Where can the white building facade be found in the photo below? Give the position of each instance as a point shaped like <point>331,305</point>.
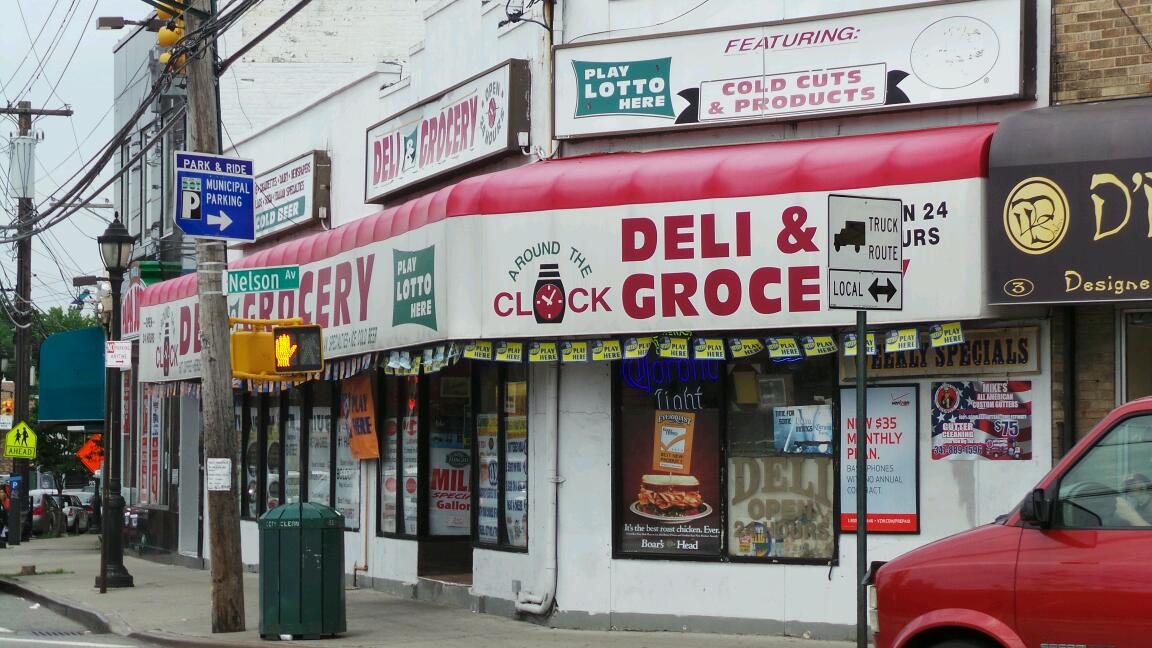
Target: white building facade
<point>573,275</point>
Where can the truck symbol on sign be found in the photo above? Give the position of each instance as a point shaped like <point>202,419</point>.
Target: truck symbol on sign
<point>853,234</point>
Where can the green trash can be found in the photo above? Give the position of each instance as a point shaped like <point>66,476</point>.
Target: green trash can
<point>302,571</point>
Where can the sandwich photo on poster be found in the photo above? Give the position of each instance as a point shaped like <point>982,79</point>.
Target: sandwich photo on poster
<point>670,469</point>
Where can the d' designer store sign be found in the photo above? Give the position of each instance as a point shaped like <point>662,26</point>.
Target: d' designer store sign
<point>469,122</point>
<point>902,58</point>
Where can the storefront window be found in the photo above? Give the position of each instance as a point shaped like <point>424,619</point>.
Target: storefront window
<point>488,454</point>
<point>320,444</point>
<point>251,457</point>
<point>1137,350</point>
<point>347,470</point>
<point>273,472</point>
<point>389,455</point>
<point>295,398</point>
<point>516,455</point>
<point>765,428</point>
<point>410,452</point>
<point>669,449</point>
<point>450,451</point>
<point>781,434</point>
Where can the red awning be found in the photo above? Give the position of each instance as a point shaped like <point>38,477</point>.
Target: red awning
<point>604,180</point>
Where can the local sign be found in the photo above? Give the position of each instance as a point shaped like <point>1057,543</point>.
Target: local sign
<point>899,58</point>
<point>20,442</point>
<point>293,194</point>
<point>474,120</point>
<point>214,197</point>
<point>865,253</point>
<point>250,280</point>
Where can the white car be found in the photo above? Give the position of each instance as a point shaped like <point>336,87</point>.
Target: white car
<point>78,520</point>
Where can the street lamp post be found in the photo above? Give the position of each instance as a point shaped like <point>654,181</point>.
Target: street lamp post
<point>115,250</point>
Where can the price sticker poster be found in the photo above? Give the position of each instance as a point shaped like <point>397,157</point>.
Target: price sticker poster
<point>988,419</point>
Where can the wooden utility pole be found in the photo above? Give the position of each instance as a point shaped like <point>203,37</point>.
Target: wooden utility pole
<point>218,433</point>
<point>23,304</point>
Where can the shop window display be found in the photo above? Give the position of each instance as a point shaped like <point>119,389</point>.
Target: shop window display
<point>764,429</point>
<point>320,444</point>
<point>292,449</point>
<point>347,472</point>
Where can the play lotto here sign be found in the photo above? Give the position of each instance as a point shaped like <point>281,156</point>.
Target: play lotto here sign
<point>20,442</point>
<point>268,279</point>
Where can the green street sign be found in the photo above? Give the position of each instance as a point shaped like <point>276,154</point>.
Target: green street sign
<point>272,278</point>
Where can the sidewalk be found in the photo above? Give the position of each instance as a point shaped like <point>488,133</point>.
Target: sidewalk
<point>171,606</point>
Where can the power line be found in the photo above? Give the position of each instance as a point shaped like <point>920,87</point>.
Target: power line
<point>48,19</point>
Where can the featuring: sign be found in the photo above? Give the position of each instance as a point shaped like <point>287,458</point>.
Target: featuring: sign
<point>865,253</point>
<point>214,197</point>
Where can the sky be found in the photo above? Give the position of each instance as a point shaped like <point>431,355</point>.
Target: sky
<point>82,81</point>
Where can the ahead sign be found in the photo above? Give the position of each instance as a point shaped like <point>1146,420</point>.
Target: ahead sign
<point>865,253</point>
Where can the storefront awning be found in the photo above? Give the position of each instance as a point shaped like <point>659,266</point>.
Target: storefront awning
<point>1067,188</point>
<point>461,262</point>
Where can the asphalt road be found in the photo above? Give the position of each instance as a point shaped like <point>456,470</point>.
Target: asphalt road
<point>24,624</point>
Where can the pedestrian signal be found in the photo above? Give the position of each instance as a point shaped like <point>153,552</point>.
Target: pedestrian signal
<point>7,407</point>
<point>297,349</point>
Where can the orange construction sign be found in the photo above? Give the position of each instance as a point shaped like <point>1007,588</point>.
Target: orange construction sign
<point>91,454</point>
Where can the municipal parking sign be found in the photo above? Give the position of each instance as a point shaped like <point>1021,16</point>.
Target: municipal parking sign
<point>214,197</point>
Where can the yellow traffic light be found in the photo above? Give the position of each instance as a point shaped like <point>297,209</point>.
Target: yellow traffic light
<point>7,407</point>
<point>252,353</point>
<point>298,349</point>
<point>170,34</point>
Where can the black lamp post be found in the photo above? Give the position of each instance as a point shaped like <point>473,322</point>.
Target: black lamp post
<point>115,250</point>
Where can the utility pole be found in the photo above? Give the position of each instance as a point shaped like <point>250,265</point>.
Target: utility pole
<point>23,301</point>
<point>219,434</point>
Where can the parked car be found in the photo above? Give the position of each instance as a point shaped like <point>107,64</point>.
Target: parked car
<point>47,516</point>
<point>77,517</point>
<point>1069,566</point>
<point>87,500</point>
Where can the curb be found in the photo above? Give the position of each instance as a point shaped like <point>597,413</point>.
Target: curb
<point>100,624</point>
<point>90,619</point>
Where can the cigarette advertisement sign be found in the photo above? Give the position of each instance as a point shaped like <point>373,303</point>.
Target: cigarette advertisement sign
<point>469,122</point>
<point>902,58</point>
<point>292,194</point>
<point>893,469</point>
<point>986,419</point>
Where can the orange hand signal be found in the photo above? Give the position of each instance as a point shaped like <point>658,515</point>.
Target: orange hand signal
<point>285,349</point>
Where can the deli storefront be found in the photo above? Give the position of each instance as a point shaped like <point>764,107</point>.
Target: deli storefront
<point>592,379</point>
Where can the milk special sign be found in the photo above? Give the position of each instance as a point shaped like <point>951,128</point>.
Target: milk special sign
<point>471,121</point>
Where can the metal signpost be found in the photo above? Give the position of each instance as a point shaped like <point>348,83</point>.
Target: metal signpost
<point>214,197</point>
<point>865,263</point>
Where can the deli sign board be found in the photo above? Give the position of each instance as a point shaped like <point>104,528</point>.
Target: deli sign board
<point>953,53</point>
<point>469,122</point>
<point>293,194</point>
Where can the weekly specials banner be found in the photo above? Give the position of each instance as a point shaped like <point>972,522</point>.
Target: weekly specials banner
<point>901,58</point>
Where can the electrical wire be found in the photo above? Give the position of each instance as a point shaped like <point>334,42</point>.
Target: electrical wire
<point>662,22</point>
<point>48,19</point>
<point>69,14</point>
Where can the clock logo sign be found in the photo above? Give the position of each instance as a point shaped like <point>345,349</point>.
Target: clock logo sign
<point>548,298</point>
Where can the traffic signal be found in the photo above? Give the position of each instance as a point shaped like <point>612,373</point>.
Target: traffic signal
<point>297,349</point>
<point>7,407</point>
<point>169,35</point>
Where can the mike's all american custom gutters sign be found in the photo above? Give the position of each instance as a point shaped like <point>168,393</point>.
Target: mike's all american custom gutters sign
<point>898,58</point>
<point>721,238</point>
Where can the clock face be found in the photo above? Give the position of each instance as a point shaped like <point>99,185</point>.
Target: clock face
<point>549,302</point>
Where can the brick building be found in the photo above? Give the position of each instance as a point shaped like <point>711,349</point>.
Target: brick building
<point>1101,78</point>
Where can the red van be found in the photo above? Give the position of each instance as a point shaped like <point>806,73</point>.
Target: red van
<point>1069,567</point>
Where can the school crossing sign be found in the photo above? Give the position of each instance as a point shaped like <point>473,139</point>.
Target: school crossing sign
<point>214,197</point>
<point>20,442</point>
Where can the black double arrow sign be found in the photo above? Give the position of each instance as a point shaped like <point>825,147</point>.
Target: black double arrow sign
<point>876,290</point>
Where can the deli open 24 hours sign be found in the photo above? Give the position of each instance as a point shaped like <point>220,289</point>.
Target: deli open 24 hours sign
<point>471,121</point>
<point>958,52</point>
<point>893,459</point>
